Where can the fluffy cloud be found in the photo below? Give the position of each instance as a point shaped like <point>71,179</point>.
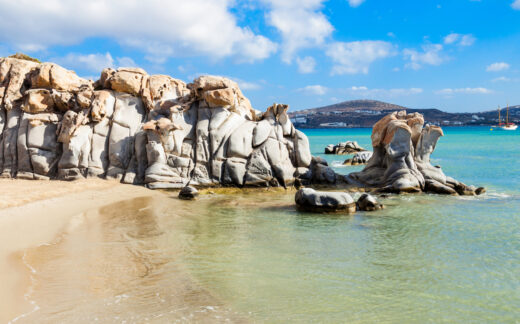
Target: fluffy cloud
<point>462,40</point>
<point>449,91</point>
<point>355,3</point>
<point>314,90</point>
<point>430,55</point>
<point>383,93</point>
<point>300,24</point>
<point>306,64</point>
<point>160,29</point>
<point>516,5</point>
<point>93,62</point>
<point>498,66</point>
<point>356,57</point>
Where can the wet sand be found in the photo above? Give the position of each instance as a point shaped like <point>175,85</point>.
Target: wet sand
<point>96,251</point>
<point>33,213</point>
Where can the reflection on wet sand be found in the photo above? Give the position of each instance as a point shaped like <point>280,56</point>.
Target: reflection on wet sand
<point>117,264</point>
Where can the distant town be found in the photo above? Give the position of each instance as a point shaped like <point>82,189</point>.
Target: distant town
<point>365,113</point>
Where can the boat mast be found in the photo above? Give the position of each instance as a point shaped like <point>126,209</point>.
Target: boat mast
<point>499,121</point>
<point>507,114</point>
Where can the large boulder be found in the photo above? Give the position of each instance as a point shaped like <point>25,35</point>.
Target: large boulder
<point>323,201</point>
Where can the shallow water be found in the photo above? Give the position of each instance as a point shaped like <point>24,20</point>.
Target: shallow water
<point>252,257</point>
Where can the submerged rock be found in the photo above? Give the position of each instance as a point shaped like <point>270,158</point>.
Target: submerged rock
<point>188,193</point>
<point>368,203</point>
<point>347,147</point>
<point>359,158</point>
<point>323,201</point>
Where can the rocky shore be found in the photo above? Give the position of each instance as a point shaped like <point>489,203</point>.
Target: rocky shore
<point>160,132</point>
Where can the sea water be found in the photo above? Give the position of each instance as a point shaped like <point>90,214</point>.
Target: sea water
<point>251,257</point>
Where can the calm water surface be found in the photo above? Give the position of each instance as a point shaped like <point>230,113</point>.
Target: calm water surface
<point>252,257</point>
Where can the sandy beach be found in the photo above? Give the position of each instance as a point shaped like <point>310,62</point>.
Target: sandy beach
<point>33,213</point>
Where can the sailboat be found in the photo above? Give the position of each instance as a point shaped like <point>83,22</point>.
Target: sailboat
<point>507,125</point>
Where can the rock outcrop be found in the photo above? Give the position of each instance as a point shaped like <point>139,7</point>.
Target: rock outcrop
<point>359,158</point>
<point>151,130</point>
<point>158,131</point>
<point>347,147</point>
<point>401,159</point>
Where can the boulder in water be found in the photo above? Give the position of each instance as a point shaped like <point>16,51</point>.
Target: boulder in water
<point>188,193</point>
<point>324,201</point>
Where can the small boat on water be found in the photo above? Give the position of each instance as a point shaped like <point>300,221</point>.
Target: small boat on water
<point>507,125</point>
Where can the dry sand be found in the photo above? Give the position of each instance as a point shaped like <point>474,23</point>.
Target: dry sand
<point>33,213</point>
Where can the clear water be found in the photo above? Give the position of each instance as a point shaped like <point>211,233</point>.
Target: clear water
<point>254,258</point>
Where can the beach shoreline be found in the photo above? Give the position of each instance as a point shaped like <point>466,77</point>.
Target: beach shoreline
<point>33,213</point>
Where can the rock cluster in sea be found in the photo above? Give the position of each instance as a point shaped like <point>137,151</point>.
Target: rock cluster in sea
<point>359,158</point>
<point>142,129</point>
<point>347,147</point>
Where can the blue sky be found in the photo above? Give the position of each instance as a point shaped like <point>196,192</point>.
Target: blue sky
<point>456,55</point>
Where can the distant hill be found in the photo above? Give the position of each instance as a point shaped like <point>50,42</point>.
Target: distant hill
<point>364,113</point>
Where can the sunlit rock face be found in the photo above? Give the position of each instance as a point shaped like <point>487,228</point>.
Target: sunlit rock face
<point>401,158</point>
<point>142,129</point>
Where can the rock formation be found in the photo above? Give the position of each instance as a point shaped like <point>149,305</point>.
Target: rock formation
<point>142,129</point>
<point>324,201</point>
<point>401,158</point>
<point>359,158</point>
<point>347,147</point>
<point>158,131</point>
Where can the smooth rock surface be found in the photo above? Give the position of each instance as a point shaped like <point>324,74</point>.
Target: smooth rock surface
<point>323,201</point>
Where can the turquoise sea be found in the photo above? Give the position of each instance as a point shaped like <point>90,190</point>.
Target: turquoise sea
<point>424,258</point>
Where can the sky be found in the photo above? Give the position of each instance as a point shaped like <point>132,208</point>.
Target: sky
<point>454,55</point>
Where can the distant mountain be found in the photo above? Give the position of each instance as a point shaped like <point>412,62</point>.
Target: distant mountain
<point>364,113</point>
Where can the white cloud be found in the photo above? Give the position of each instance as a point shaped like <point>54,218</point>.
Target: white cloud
<point>314,90</point>
<point>430,55</point>
<point>356,57</point>
<point>497,67</point>
<point>467,40</point>
<point>300,24</point>
<point>355,3</point>
<point>93,62</point>
<point>516,5</point>
<point>449,91</point>
<point>306,64</point>
<point>247,85</point>
<point>383,93</point>
<point>160,29</point>
<point>462,40</point>
<point>505,79</point>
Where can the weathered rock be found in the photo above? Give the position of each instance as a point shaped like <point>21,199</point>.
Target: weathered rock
<point>368,202</point>
<point>323,201</point>
<point>158,131</point>
<point>359,158</point>
<point>128,80</point>
<point>401,158</point>
<point>347,147</point>
<point>188,193</point>
<point>38,101</point>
